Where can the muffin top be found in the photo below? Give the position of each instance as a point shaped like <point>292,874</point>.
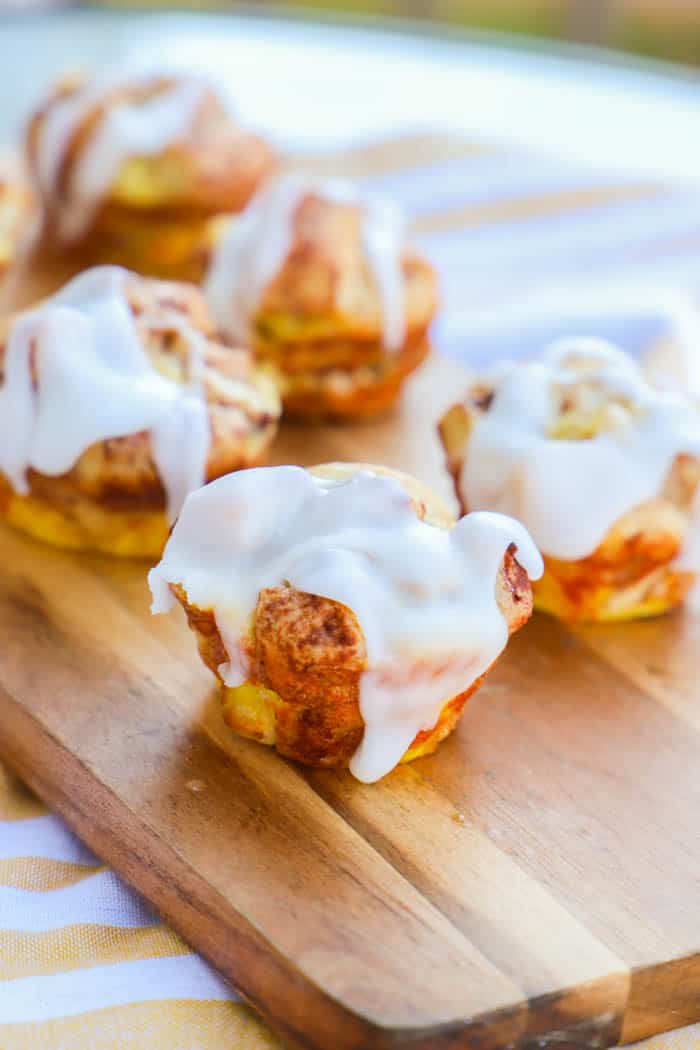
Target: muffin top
<point>571,442</point>
<point>311,258</point>
<point>162,144</point>
<point>424,593</point>
<point>117,385</point>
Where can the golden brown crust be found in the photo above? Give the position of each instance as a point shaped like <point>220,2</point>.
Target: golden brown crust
<point>631,574</point>
<point>161,214</point>
<point>155,246</point>
<point>326,273</point>
<point>307,654</point>
<point>310,652</point>
<point>69,520</point>
<point>217,169</point>
<point>353,392</point>
<point>16,212</point>
<point>119,474</point>
<point>320,322</point>
<point>514,592</point>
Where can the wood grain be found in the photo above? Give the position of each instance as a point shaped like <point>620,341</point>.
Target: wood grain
<point>535,883</point>
<point>517,884</point>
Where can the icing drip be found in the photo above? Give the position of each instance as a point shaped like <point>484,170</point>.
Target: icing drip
<point>94,381</point>
<point>123,130</point>
<point>570,492</point>
<point>258,242</point>
<point>424,596</point>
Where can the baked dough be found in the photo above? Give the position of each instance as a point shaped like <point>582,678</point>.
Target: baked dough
<point>307,654</point>
<point>636,568</point>
<point>133,169</point>
<point>320,319</point>
<point>113,498</point>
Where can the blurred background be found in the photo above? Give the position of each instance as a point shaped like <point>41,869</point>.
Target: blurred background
<point>662,29</point>
<point>556,140</point>
<point>668,29</point>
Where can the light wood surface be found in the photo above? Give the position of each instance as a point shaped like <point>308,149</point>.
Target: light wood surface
<point>535,883</point>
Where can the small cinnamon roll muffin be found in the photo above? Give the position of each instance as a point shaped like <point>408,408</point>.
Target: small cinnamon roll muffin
<point>133,168</point>
<point>320,283</point>
<point>345,614</point>
<point>16,212</point>
<point>115,402</point>
<point>602,469</point>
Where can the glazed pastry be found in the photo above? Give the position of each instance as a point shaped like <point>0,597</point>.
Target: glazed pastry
<point>321,285</point>
<point>600,467</point>
<point>133,167</point>
<point>16,209</point>
<point>115,402</point>
<point>346,615</point>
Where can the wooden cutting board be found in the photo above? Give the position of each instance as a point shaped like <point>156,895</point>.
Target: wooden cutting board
<point>536,883</point>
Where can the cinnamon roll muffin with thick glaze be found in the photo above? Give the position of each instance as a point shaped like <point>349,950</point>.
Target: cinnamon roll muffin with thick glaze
<point>602,469</point>
<point>321,284</point>
<point>346,615</point>
<point>135,167</point>
<point>116,401</point>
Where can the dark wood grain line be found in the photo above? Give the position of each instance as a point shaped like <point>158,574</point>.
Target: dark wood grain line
<point>568,975</point>
<point>589,782</point>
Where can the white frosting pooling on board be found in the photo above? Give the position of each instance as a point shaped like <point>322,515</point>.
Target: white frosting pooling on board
<point>424,596</point>
<point>123,130</point>
<point>257,243</point>
<point>94,381</point>
<point>569,493</point>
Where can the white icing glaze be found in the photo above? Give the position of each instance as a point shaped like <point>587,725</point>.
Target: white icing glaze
<point>257,243</point>
<point>568,493</point>
<point>124,130</point>
<point>424,596</point>
<point>94,381</point>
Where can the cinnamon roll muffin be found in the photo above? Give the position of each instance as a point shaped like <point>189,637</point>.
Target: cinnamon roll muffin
<point>601,468</point>
<point>321,284</point>
<point>116,400</point>
<point>133,168</point>
<point>345,614</point>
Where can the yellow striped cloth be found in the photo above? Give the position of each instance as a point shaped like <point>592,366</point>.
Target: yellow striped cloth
<point>55,966</point>
<point>121,1022</point>
<point>84,963</point>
